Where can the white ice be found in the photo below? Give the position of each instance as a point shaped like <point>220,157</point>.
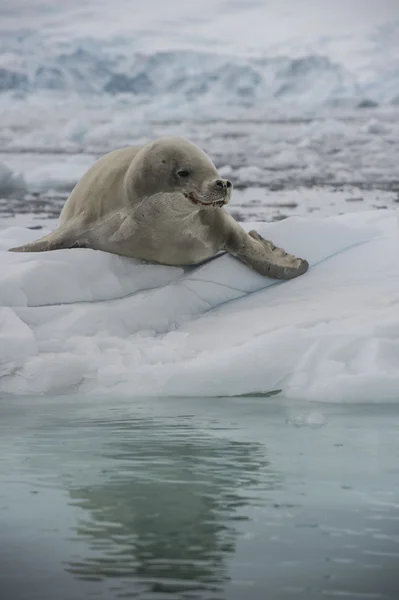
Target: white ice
<point>74,76</point>
<point>93,322</point>
<point>10,182</point>
<point>355,149</point>
<point>271,90</point>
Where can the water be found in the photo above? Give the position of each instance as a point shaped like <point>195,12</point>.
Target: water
<point>215,498</point>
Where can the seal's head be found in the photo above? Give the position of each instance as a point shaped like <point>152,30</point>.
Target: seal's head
<point>173,164</point>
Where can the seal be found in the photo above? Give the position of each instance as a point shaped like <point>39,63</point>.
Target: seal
<point>162,202</point>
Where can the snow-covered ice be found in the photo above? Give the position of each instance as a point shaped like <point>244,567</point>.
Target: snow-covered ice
<point>279,92</point>
<point>284,96</point>
<point>98,76</point>
<point>254,51</point>
<point>356,148</point>
<point>11,183</point>
<point>90,321</point>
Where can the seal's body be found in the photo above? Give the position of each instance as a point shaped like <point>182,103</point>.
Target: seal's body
<point>162,202</point>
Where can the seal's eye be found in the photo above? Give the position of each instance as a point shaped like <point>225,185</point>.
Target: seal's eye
<point>183,173</point>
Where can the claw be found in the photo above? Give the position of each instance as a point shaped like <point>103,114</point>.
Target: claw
<point>258,237</point>
<point>279,263</point>
<point>288,272</point>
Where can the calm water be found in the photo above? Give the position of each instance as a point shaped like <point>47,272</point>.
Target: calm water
<point>203,498</point>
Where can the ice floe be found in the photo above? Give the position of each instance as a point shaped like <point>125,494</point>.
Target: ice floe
<point>90,321</point>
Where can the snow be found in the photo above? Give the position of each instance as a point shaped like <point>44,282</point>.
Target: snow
<point>285,97</point>
<point>10,183</point>
<point>58,173</point>
<point>355,148</point>
<point>73,75</point>
<point>80,320</point>
<point>271,90</point>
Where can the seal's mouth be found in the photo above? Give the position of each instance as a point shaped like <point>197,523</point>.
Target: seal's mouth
<point>195,200</point>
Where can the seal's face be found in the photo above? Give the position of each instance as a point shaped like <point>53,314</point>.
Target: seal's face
<point>177,165</point>
<point>212,194</point>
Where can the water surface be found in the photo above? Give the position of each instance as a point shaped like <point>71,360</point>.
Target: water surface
<point>211,498</point>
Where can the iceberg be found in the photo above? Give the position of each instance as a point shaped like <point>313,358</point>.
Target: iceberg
<point>11,183</point>
<point>88,321</point>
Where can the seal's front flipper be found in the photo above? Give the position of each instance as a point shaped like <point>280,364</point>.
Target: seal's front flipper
<point>278,263</point>
<point>261,255</point>
<point>57,240</point>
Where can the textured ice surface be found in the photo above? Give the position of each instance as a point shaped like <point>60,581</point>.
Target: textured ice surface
<point>74,76</point>
<point>278,93</point>
<point>354,148</point>
<point>11,183</point>
<point>90,321</point>
<point>247,51</point>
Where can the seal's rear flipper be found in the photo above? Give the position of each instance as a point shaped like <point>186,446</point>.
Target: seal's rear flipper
<point>57,240</point>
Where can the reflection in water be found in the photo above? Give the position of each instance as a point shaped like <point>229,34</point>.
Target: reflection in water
<point>164,508</point>
<point>123,500</point>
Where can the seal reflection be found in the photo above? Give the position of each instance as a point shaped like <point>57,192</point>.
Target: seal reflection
<point>163,517</point>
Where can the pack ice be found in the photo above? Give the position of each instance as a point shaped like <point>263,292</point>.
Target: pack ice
<point>87,321</point>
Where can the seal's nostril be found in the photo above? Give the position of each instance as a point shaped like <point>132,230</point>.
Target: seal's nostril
<point>220,183</point>
<point>228,183</point>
